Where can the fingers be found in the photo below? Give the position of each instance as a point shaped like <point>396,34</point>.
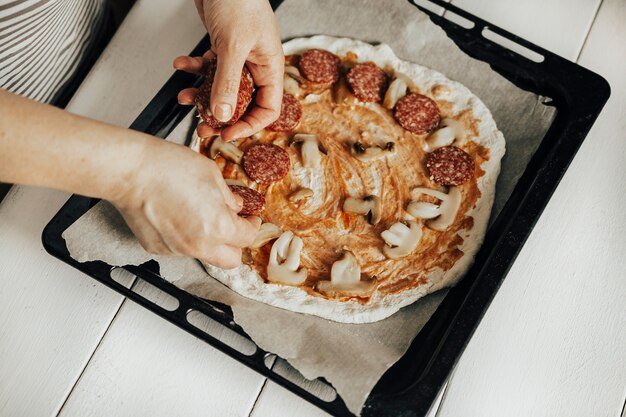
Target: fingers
<point>194,64</point>
<point>147,235</point>
<point>225,257</point>
<point>252,122</point>
<point>266,109</point>
<point>205,131</point>
<point>233,201</point>
<point>187,96</point>
<point>226,82</point>
<point>244,230</point>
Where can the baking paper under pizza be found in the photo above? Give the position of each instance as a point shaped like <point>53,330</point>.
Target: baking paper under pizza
<point>375,184</point>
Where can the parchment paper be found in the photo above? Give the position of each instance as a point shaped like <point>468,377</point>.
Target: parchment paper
<point>351,357</point>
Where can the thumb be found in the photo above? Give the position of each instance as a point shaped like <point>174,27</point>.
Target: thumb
<point>225,88</point>
<point>232,200</point>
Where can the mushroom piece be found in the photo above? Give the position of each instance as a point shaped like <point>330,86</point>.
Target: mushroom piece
<point>292,80</point>
<point>401,239</point>
<point>423,210</point>
<point>294,73</point>
<point>342,93</point>
<point>291,86</point>
<point>311,149</point>
<point>447,209</point>
<point>284,261</point>
<point>301,194</point>
<point>266,233</point>
<point>368,206</point>
<point>230,181</point>
<point>345,279</point>
<point>365,154</point>
<point>195,140</point>
<point>227,149</point>
<point>449,131</point>
<point>395,91</point>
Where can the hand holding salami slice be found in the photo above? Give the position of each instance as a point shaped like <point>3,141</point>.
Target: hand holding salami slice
<point>256,48</point>
<point>203,97</point>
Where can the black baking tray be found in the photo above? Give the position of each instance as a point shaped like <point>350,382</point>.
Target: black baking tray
<point>409,387</point>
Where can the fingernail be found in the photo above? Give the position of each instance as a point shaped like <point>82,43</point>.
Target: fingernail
<point>223,112</point>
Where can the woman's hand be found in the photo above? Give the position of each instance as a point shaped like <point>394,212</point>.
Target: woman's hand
<point>174,200</point>
<point>243,32</point>
<point>178,204</point>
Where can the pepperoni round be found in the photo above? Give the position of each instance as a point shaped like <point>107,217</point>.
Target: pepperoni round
<point>266,163</point>
<point>253,201</point>
<point>203,98</point>
<point>417,113</point>
<point>450,165</point>
<point>319,66</point>
<point>368,82</point>
<point>290,114</point>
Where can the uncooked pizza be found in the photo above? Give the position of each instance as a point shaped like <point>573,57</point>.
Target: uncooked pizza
<point>375,184</point>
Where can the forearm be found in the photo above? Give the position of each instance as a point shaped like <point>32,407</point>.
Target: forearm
<point>44,146</point>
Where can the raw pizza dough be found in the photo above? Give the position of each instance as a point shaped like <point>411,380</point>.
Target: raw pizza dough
<point>247,282</point>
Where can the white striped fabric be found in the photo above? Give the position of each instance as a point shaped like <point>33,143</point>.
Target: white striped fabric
<point>42,43</point>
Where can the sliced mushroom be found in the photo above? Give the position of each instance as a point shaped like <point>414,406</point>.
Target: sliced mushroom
<point>301,194</point>
<point>423,210</point>
<point>311,149</point>
<point>449,132</point>
<point>284,261</point>
<point>292,80</point>
<point>365,154</point>
<point>342,93</point>
<point>395,91</point>
<point>447,209</point>
<point>294,73</point>
<point>291,86</point>
<point>401,239</point>
<point>368,206</point>
<point>227,149</point>
<point>195,141</point>
<point>345,279</point>
<point>230,181</point>
<point>266,233</point>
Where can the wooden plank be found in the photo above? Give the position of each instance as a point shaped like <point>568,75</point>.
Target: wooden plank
<point>51,316</point>
<point>559,26</point>
<point>553,341</point>
<point>146,366</point>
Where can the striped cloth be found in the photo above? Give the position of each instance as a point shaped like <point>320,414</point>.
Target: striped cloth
<point>43,42</point>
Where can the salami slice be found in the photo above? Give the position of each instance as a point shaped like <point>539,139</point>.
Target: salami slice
<point>290,114</point>
<point>417,113</point>
<point>368,82</point>
<point>253,201</point>
<point>203,98</point>
<point>450,165</point>
<point>319,66</point>
<point>266,163</point>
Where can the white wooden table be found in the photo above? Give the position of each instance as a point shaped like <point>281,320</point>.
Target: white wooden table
<point>553,342</point>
